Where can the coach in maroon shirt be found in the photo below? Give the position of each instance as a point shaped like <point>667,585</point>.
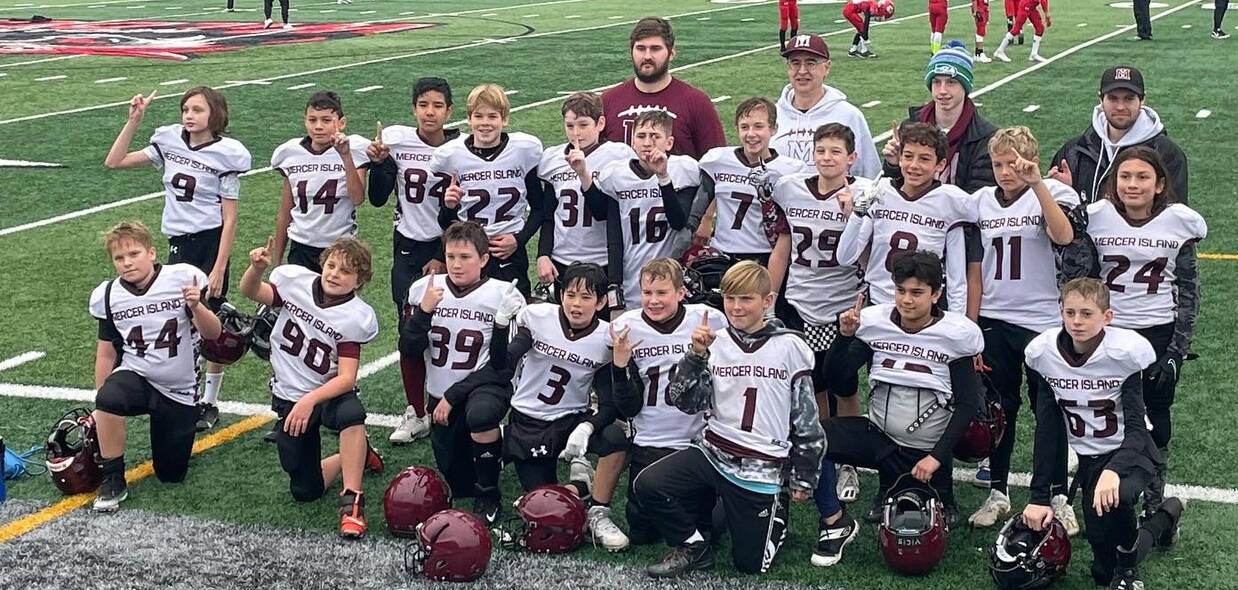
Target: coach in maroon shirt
<point>697,127</point>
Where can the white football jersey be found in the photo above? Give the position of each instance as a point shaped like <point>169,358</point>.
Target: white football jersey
<point>160,341</point>
<point>578,236</point>
<point>646,231</point>
<point>751,413</point>
<point>322,209</point>
<point>1137,261</point>
<point>737,210</point>
<point>899,224</point>
<point>419,192</point>
<point>494,190</point>
<point>917,359</point>
<point>460,330</point>
<point>555,376</point>
<point>1019,269</point>
<point>818,285</point>
<point>660,424</point>
<point>195,178</point>
<point>311,335</point>
<point>1090,394</point>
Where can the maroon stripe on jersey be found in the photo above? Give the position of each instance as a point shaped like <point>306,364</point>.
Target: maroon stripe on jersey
<point>917,367</point>
<point>888,363</point>
<point>276,300</point>
<point>350,350</point>
<point>797,375</point>
<point>736,449</point>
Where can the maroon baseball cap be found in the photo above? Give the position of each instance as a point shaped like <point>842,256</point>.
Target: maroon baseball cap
<point>808,43</point>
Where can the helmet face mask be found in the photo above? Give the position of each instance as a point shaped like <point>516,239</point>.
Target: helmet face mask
<point>1024,559</point>
<point>545,292</point>
<point>703,270</point>
<point>72,451</point>
<point>912,533</point>
<point>260,334</point>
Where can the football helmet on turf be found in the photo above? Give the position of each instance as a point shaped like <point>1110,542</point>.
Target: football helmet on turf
<point>412,497</point>
<point>548,519</point>
<point>984,432</point>
<point>260,335</point>
<point>1024,559</point>
<point>72,451</point>
<point>233,340</point>
<point>912,532</point>
<point>451,545</point>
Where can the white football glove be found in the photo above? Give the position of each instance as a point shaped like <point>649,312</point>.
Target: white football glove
<point>511,304</point>
<point>867,198</point>
<point>577,442</point>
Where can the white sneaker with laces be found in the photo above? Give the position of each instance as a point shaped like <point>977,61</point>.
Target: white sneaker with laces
<point>1066,514</point>
<point>604,530</point>
<point>999,54</point>
<point>266,24</point>
<point>848,486</point>
<point>411,428</point>
<point>287,26</point>
<point>982,58</point>
<point>581,470</point>
<point>995,509</point>
<point>1036,58</point>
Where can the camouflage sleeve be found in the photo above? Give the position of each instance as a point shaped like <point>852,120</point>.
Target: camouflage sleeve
<point>1078,258</point>
<point>1187,286</point>
<point>807,436</point>
<point>692,390</point>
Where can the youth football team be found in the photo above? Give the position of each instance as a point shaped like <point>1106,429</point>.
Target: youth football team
<point>833,272</point>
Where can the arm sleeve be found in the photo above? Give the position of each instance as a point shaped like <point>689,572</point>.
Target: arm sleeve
<point>856,236</point>
<point>459,391</point>
<point>966,396</point>
<point>614,244</point>
<point>534,194</point>
<point>447,216</point>
<point>597,200</point>
<point>415,333</point>
<point>1187,285</point>
<point>676,203</point>
<point>692,390</point>
<point>1050,429</point>
<point>848,354</point>
<point>382,181</point>
<point>807,436</point>
<point>108,331</point>
<point>607,412</point>
<point>701,199</point>
<point>1136,439</point>
<point>956,269</point>
<point>550,208</point>
<point>626,390</point>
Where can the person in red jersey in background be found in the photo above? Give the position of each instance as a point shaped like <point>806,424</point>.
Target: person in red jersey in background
<point>788,18</point>
<point>1028,10</point>
<point>980,11</point>
<point>859,14</point>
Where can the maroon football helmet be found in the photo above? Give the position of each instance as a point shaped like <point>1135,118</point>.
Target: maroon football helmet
<point>983,434</point>
<point>72,451</point>
<point>233,341</point>
<point>412,497</point>
<point>1024,559</point>
<point>451,545</point>
<point>912,533</point>
<point>549,519</point>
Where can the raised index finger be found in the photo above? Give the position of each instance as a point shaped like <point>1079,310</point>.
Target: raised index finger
<point>859,303</point>
<point>894,130</point>
<point>378,131</point>
<point>152,94</point>
<point>705,319</point>
<point>270,242</point>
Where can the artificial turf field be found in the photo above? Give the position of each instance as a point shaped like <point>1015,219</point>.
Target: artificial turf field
<point>67,108</point>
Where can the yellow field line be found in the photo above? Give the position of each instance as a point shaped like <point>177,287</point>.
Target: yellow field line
<point>1214,256</point>
<point>30,522</point>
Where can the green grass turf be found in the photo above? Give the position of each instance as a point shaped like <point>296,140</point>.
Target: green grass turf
<point>47,273</point>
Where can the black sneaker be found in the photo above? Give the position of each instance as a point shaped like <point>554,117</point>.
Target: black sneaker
<point>869,54</point>
<point>853,52</point>
<point>112,492</point>
<point>1173,507</point>
<point>1126,579</point>
<point>487,507</point>
<point>208,416</point>
<point>1219,34</point>
<point>832,538</point>
<point>683,559</point>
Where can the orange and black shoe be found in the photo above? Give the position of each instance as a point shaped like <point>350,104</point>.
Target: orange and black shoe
<point>352,514</point>
<point>373,461</point>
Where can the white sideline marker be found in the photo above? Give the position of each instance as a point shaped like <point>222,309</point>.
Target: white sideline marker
<point>719,99</point>
<point>530,15</point>
<point>326,11</point>
<point>367,12</point>
<point>109,80</point>
<point>47,78</point>
<point>3,74</point>
<point>300,86</point>
<point>408,13</point>
<point>703,18</point>
<point>21,359</point>
<point>368,88</point>
<point>1031,108</point>
<point>870,104</point>
<point>617,16</point>
<point>1081,25</point>
<point>746,20</point>
<point>1203,114</point>
<point>1186,26</point>
<point>174,82</point>
<point>572,16</point>
<point>489,14</point>
<point>511,92</point>
<point>839,21</point>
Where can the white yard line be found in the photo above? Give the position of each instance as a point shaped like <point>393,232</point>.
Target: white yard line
<point>21,359</point>
<point>39,61</point>
<point>1203,114</point>
<point>368,88</point>
<point>1190,492</point>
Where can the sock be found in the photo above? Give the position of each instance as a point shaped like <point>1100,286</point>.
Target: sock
<point>413,376</point>
<point>1006,41</point>
<point>591,502</point>
<point>782,39</point>
<point>855,40</point>
<point>1009,24</point>
<point>486,462</point>
<point>213,382</point>
<point>979,40</point>
<point>582,488</point>
<point>1036,44</point>
<point>113,467</point>
<point>935,44</point>
<point>695,537</point>
<point>863,46</point>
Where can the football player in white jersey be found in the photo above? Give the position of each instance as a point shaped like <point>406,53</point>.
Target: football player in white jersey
<point>733,210</point>
<point>494,182</point>
<point>1145,243</point>
<point>324,181</point>
<point>646,199</point>
<point>315,354</point>
<point>572,231</point>
<point>151,320</point>
<point>1020,221</point>
<point>915,212</point>
<point>753,381</point>
<point>459,324</point>
<point>400,160</point>
<point>1090,372</point>
<point>648,344</point>
<point>201,177</point>
<point>818,287</point>
<point>924,390</point>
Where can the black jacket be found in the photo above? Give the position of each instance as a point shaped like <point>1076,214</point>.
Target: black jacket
<point>1085,155</point>
<point>975,170</point>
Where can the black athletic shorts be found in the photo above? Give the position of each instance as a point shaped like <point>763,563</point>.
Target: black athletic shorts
<point>201,250</point>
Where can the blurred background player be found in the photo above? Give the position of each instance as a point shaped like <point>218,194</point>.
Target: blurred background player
<point>939,14</point>
<point>788,18</point>
<point>980,11</point>
<point>859,14</point>
<point>1028,10</point>
<point>283,13</point>
<point>1218,16</point>
<point>1011,9</point>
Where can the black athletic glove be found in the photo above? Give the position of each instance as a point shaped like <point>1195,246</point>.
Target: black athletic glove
<point>1164,372</point>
